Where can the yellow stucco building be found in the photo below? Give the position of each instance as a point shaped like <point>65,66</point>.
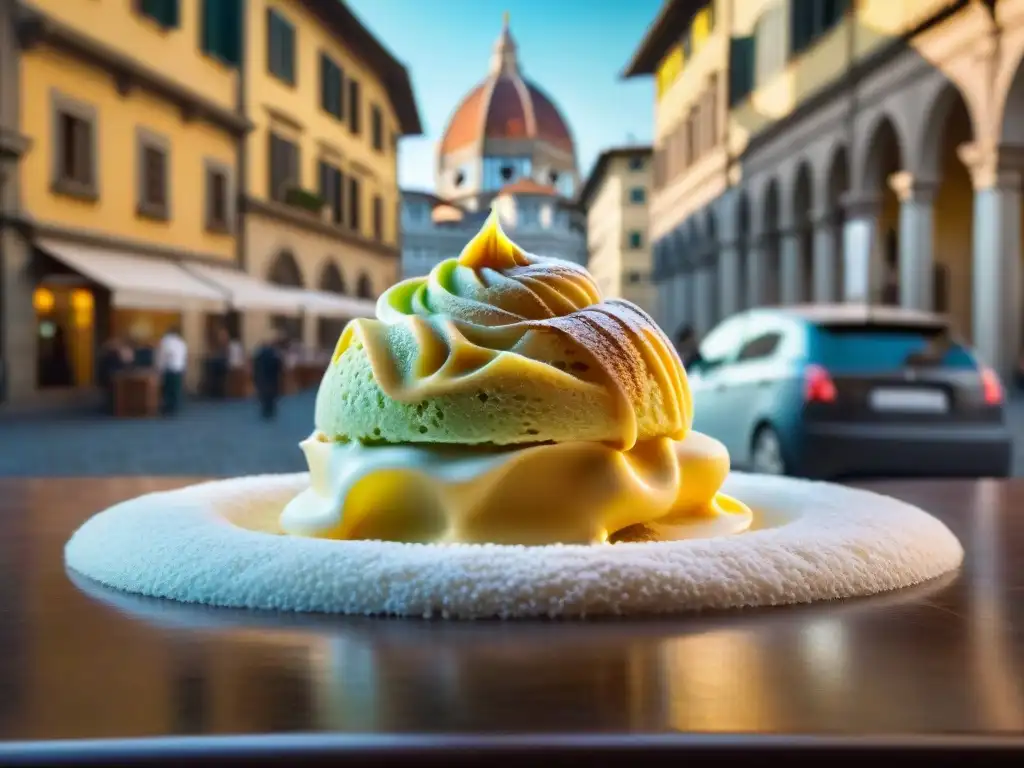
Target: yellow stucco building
<point>615,198</point>
<point>189,163</point>
<point>858,150</point>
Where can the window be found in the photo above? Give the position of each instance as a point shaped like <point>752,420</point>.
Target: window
<point>74,150</point>
<point>163,12</point>
<point>499,171</point>
<point>760,347</point>
<point>636,163</point>
<point>354,203</point>
<point>636,239</point>
<point>633,278</point>
<point>280,47</point>
<point>331,186</point>
<point>377,128</point>
<point>810,19</point>
<point>332,86</point>
<point>220,27</point>
<point>284,167</point>
<point>741,69</point>
<point>218,197</point>
<point>722,344</point>
<point>637,195</point>
<point>378,218</point>
<point>355,108</point>
<point>153,175</point>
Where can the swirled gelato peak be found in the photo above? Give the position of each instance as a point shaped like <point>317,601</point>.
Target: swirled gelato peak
<point>501,399</point>
<point>503,347</point>
<point>491,248</point>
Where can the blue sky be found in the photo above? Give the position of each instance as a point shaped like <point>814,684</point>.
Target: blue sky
<point>573,49</point>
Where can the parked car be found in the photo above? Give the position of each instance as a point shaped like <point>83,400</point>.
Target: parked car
<point>836,391</point>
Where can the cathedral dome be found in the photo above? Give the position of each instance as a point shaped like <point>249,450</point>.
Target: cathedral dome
<point>506,106</point>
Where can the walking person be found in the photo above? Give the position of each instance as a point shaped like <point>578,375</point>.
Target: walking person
<point>267,371</point>
<point>171,360</point>
<point>686,346</point>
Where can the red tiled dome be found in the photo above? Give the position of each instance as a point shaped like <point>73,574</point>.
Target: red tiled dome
<point>505,106</point>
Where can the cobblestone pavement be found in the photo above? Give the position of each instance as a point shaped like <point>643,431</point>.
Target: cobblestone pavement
<point>213,439</point>
<point>217,439</point>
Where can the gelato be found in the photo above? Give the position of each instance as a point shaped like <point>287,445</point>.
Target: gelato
<point>500,399</point>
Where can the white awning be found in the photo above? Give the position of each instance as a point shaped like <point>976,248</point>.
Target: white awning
<point>326,304</point>
<point>247,292</point>
<point>137,282</point>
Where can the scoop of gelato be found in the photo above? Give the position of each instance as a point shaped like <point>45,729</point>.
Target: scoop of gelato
<point>503,347</point>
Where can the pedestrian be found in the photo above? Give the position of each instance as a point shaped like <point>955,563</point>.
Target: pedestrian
<point>267,371</point>
<point>172,358</point>
<point>686,345</point>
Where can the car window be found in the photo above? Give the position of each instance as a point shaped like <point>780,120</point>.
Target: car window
<point>876,347</point>
<point>722,343</point>
<point>760,347</point>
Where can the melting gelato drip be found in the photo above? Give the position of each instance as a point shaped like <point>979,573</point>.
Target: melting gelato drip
<point>500,399</point>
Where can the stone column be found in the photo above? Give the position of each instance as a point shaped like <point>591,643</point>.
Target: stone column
<point>997,173</point>
<point>728,279</point>
<point>859,234</point>
<point>916,256</point>
<point>756,267</point>
<point>824,241</point>
<point>18,321</point>
<point>791,287</point>
<point>702,287</point>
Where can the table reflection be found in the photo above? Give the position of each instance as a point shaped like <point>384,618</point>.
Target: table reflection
<point>947,656</point>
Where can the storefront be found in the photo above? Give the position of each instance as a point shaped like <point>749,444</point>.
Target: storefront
<point>85,297</point>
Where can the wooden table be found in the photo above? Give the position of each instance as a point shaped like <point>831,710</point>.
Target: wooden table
<point>933,665</point>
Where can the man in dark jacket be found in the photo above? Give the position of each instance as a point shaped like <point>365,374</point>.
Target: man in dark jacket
<point>267,367</point>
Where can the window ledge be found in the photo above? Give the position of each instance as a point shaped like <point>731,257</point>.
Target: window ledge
<point>152,212</point>
<point>76,189</point>
<point>218,228</point>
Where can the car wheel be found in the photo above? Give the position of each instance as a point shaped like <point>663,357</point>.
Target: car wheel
<point>766,453</point>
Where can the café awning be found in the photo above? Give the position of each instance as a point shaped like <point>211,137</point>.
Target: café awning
<point>137,282</point>
<point>245,292</point>
<point>326,304</point>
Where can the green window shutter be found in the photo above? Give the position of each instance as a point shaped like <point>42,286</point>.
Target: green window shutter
<point>288,35</point>
<point>221,30</point>
<point>231,24</point>
<point>163,12</point>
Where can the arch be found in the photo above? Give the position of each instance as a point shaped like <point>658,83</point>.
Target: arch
<point>331,278</point>
<point>284,270</point>
<point>837,186</point>
<point>770,206</point>
<point>803,204</point>
<point>1011,121</point>
<point>768,282</point>
<point>883,155</point>
<point>950,253</point>
<point>742,288</point>
<point>948,103</point>
<point>364,287</point>
<point>713,276</point>
<point>837,179</point>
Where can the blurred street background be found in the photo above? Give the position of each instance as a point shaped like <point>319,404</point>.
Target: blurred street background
<point>197,195</point>
<point>215,439</point>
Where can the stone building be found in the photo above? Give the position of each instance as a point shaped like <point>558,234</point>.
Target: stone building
<point>826,150</point>
<point>505,145</point>
<point>615,197</point>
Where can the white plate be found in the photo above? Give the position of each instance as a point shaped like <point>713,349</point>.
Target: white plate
<point>814,541</point>
<point>910,400</point>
